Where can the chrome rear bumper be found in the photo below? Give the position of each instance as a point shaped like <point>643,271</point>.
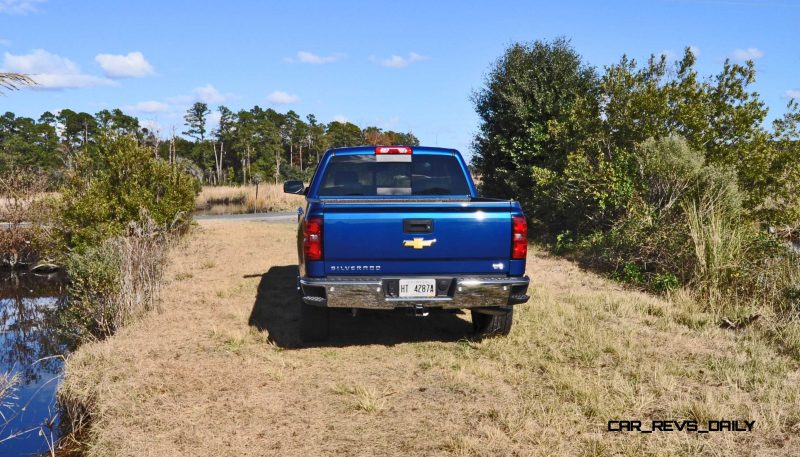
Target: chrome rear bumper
<point>372,293</point>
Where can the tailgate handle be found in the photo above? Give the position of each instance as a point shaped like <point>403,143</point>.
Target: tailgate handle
<point>418,225</point>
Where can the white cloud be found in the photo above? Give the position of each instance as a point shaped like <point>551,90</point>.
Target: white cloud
<point>309,57</point>
<point>132,65</point>
<point>18,6</point>
<point>792,93</point>
<point>282,98</point>
<point>209,94</point>
<point>150,106</point>
<point>341,118</point>
<point>747,54</point>
<point>52,71</point>
<point>396,61</point>
<point>695,50</point>
<point>39,61</point>
<point>4,42</point>
<point>206,94</point>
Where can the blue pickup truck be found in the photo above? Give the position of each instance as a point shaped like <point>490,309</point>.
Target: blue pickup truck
<point>394,226</point>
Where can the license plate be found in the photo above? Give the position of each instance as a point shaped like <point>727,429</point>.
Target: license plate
<point>416,288</point>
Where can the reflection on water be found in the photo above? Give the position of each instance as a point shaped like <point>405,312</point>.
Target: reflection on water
<point>31,348</point>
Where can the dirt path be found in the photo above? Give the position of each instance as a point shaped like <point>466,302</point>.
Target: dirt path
<point>220,371</point>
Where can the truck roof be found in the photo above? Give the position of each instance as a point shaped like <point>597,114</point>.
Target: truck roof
<point>352,150</point>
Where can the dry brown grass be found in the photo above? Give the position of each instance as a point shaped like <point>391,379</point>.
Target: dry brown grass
<point>8,388</point>
<point>220,372</point>
<point>242,199</point>
<point>142,257</point>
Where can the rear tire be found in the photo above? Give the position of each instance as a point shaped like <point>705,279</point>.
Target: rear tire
<point>314,323</point>
<point>490,325</point>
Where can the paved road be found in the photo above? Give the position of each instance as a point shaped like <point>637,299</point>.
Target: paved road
<point>248,217</point>
<point>214,217</point>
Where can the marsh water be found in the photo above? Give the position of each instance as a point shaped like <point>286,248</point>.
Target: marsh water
<point>31,351</point>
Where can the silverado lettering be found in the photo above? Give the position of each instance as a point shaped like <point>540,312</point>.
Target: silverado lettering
<point>355,268</point>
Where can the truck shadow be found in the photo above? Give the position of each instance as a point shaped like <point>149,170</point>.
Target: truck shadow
<point>277,311</point>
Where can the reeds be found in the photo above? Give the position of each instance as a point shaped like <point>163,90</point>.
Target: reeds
<point>718,243</point>
<point>242,199</point>
<point>142,256</point>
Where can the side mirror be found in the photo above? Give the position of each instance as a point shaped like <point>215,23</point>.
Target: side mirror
<point>293,187</point>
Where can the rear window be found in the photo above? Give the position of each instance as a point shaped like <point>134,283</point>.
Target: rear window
<point>365,175</point>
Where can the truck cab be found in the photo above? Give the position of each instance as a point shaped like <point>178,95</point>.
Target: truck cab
<point>403,227</point>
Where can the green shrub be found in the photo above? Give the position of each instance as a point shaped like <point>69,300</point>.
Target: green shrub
<point>112,184</point>
<point>629,273</point>
<point>592,192</point>
<point>564,242</point>
<point>669,170</point>
<point>95,283</point>
<point>665,282</point>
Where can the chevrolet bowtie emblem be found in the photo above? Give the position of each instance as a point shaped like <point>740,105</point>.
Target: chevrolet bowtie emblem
<point>418,243</point>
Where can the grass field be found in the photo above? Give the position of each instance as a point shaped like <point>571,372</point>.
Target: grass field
<point>242,199</point>
<point>220,371</point>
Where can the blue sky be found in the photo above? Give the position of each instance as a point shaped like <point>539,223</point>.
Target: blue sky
<point>408,65</point>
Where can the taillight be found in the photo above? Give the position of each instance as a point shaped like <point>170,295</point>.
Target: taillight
<point>392,150</point>
<point>312,238</point>
<point>519,237</point>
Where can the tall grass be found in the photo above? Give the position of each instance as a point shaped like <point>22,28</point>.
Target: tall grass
<point>737,269</point>
<point>142,257</point>
<point>242,199</point>
<point>718,242</point>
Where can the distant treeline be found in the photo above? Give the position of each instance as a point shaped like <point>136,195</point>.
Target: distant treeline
<point>246,146</point>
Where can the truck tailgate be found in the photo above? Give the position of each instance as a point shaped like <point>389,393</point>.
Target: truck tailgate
<point>411,237</point>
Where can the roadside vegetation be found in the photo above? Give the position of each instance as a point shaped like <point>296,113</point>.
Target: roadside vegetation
<point>119,211</point>
<point>108,222</point>
<point>663,178</point>
<point>108,219</point>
